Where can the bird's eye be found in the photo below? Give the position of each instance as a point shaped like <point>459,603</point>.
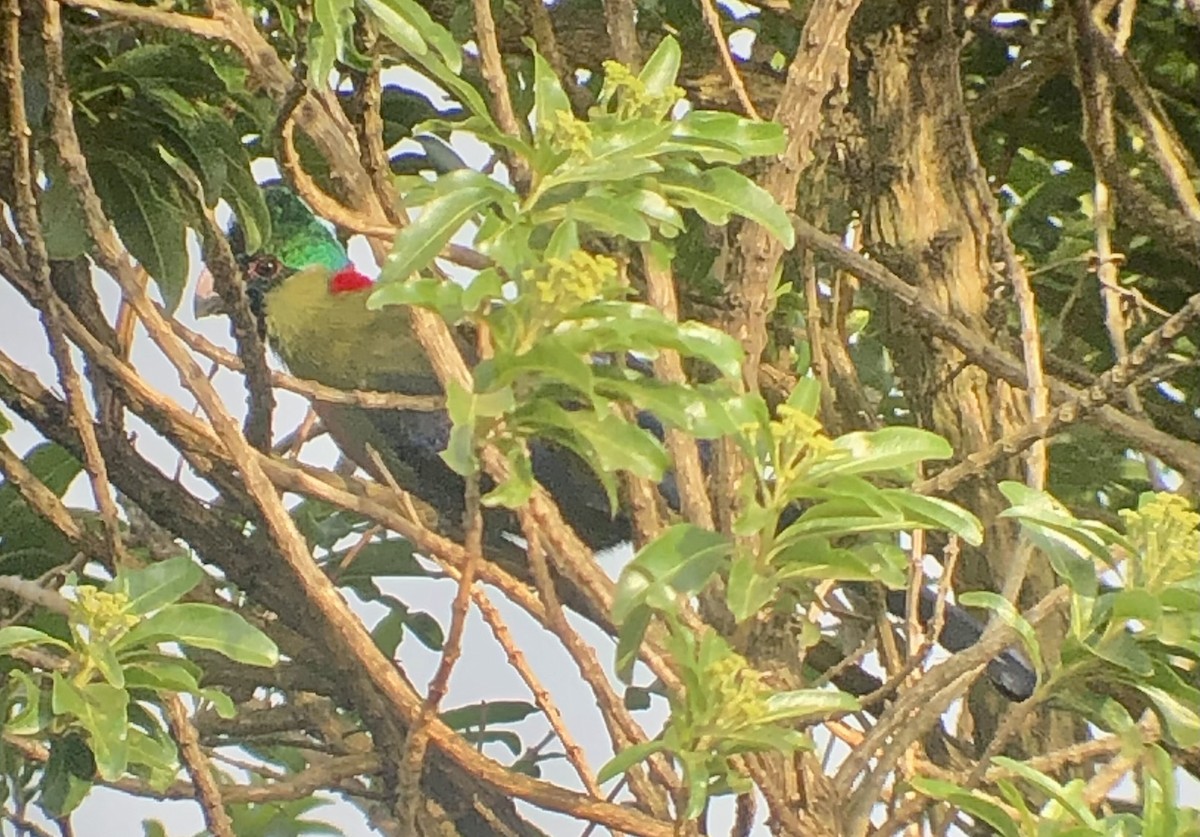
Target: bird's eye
<point>265,267</point>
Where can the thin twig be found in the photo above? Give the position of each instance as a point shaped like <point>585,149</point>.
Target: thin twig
<point>921,705</point>
<point>497,81</point>
<point>622,729</point>
<point>694,501</point>
<point>30,230</point>
<point>368,399</point>
<point>343,629</point>
<point>541,695</point>
<point>1179,454</point>
<point>208,792</point>
<point>712,19</point>
<point>418,735</point>
<point>298,786</point>
<point>42,500</point>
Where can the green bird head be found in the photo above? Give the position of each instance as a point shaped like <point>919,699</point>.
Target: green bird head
<point>298,243</point>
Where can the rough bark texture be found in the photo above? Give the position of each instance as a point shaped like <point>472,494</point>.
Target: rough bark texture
<point>929,215</point>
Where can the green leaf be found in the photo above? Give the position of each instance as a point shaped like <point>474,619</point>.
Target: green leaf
<point>104,658</point>
<point>607,214</point>
<point>162,673</point>
<point>887,449</point>
<point>1070,544</point>
<point>700,412</point>
<point>62,218</point>
<point>389,630</point>
<point>147,213</point>
<point>636,698</point>
<point>463,194</point>
<point>446,298</point>
<point>101,709</point>
<point>771,738</point>
<point>23,529</point>
<point>388,558</point>
<point>179,68</point>
<point>632,629</point>
<point>410,27</point>
<point>748,591</point>
<point>628,757</point>
<point>815,558</point>
<point>806,396</point>
<point>698,779</point>
<point>683,558</point>
<point>157,585</point>
<point>241,190</point>
<point>1048,786</point>
<point>1179,715</point>
<point>153,754</point>
<point>1010,616</point>
<point>621,445</point>
<point>426,629</point>
<point>546,359</point>
<point>206,626</point>
<point>28,720</point>
<point>975,804</point>
<point>630,326</point>
<point>18,636</point>
<point>1136,604</point>
<point>488,713</point>
<point>334,19</point>
<point>713,132</point>
<point>549,98</point>
<point>67,778</point>
<point>515,491</point>
<point>935,513</point>
<point>807,704</point>
<point>718,193</point>
<point>608,169</point>
<point>659,72</point>
<point>154,828</point>
<point>1121,648</point>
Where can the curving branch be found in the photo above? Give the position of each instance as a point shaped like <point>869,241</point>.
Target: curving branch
<point>1181,455</point>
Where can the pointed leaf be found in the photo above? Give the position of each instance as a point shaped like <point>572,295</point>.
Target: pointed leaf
<point>411,28</point>
<point>206,626</point>
<point>718,193</point>
<point>148,216</point>
<point>659,72</point>
<point>157,585</point>
<point>628,757</point>
<point>463,195</point>
<point>1010,616</point>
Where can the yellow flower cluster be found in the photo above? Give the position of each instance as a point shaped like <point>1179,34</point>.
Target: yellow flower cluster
<point>1165,533</point>
<point>630,93</point>
<point>798,438</point>
<point>570,134</point>
<point>797,425</point>
<point>739,693</point>
<point>102,613</point>
<point>564,284</point>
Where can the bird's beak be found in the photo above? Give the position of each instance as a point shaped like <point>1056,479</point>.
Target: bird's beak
<point>206,302</point>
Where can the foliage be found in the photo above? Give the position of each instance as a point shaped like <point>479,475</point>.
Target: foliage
<point>90,688</point>
<point>543,205</point>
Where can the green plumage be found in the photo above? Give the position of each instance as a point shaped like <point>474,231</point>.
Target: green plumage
<point>336,340</point>
<point>331,338</point>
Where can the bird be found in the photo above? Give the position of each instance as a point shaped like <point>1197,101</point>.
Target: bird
<point>311,305</point>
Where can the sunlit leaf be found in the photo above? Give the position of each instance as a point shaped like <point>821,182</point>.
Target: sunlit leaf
<point>206,626</point>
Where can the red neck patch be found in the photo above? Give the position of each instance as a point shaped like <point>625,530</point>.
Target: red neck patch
<point>348,279</point>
